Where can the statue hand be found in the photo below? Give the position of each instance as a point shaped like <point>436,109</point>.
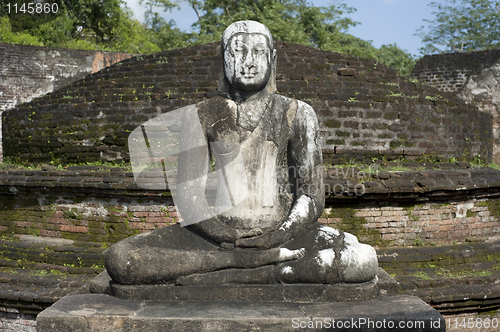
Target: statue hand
<point>289,255</point>
<point>245,233</point>
<point>269,240</point>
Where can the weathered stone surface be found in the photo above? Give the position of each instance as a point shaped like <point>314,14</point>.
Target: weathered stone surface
<point>385,284</point>
<point>101,313</point>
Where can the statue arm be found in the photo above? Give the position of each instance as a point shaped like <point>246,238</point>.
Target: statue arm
<point>305,155</point>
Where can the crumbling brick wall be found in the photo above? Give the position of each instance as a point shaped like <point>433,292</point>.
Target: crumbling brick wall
<point>27,72</point>
<point>472,76</point>
<point>101,205</point>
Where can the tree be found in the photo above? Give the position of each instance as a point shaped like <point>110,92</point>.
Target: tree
<point>296,21</point>
<point>81,24</point>
<point>394,57</point>
<point>162,33</point>
<point>462,26</point>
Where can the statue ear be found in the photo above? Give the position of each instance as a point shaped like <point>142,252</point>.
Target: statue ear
<point>271,84</point>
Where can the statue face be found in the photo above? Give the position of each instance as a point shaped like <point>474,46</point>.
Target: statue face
<point>247,61</point>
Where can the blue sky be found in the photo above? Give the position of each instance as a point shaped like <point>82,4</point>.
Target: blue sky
<point>381,21</point>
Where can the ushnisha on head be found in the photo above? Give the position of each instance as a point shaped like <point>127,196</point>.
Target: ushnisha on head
<point>249,56</point>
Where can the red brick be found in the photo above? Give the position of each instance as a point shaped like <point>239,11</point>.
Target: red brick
<point>45,232</point>
<point>62,208</point>
<point>23,224</point>
<point>323,220</point>
<point>141,225</point>
<point>161,224</point>
<point>61,221</point>
<point>158,214</point>
<point>141,214</point>
<point>393,213</point>
<point>58,214</point>
<point>386,219</point>
<point>118,213</point>
<point>174,214</point>
<point>3,228</point>
<point>368,213</point>
<point>73,229</point>
<point>389,237</point>
<point>459,235</point>
<point>157,219</point>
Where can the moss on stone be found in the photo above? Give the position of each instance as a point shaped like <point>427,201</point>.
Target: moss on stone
<point>350,223</point>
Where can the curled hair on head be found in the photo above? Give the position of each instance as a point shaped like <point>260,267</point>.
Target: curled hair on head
<point>250,27</point>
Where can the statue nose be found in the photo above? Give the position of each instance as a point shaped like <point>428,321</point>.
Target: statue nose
<point>249,61</point>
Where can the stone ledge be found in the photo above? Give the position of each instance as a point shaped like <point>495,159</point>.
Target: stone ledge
<point>384,284</point>
<point>97,312</point>
<point>340,184</point>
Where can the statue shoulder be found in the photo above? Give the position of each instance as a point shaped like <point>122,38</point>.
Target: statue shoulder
<point>299,112</point>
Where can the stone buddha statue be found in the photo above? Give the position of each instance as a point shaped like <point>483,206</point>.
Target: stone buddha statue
<point>260,225</point>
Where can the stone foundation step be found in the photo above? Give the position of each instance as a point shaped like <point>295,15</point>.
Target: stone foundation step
<point>97,312</point>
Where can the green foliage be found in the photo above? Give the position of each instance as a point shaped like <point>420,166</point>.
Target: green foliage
<point>84,24</point>
<point>394,57</point>
<point>462,26</point>
<point>10,37</point>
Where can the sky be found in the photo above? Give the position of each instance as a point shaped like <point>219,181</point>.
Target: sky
<point>381,21</point>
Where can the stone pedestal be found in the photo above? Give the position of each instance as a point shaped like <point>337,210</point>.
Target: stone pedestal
<point>383,284</point>
<point>99,312</point>
<point>241,308</point>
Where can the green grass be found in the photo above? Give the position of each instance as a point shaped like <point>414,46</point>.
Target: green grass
<point>8,163</point>
<point>421,275</point>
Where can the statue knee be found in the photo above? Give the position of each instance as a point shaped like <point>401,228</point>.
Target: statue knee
<point>359,261</point>
<point>117,262</point>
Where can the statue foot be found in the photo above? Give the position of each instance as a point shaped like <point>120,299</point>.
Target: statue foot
<point>288,255</point>
<point>358,261</point>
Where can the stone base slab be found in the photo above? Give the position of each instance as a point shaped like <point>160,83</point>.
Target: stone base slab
<point>99,312</point>
<point>383,284</point>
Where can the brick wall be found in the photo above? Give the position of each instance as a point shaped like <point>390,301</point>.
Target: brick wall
<point>380,223</point>
<point>11,320</point>
<point>442,222</point>
<point>365,109</point>
<point>105,206</point>
<point>449,72</point>
<point>472,76</point>
<point>27,72</point>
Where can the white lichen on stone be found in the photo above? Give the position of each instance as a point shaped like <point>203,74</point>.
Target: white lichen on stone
<point>286,270</point>
<point>327,233</point>
<point>299,211</point>
<point>325,257</point>
<point>359,261</point>
<point>287,254</point>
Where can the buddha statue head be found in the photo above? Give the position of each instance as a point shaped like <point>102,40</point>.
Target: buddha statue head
<point>249,57</point>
